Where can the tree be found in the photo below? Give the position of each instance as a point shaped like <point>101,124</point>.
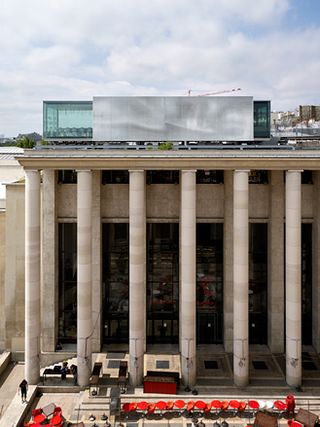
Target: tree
<point>25,142</point>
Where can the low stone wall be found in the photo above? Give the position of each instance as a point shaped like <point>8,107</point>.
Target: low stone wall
<point>17,411</point>
<point>5,358</point>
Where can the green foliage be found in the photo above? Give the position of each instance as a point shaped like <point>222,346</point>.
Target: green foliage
<point>44,142</point>
<point>165,146</point>
<point>25,142</point>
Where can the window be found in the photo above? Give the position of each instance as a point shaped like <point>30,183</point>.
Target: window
<point>115,177</point>
<point>258,177</point>
<point>162,177</point>
<point>67,316</point>
<point>261,112</point>
<point>209,177</point>
<point>115,246</point>
<point>67,177</point>
<point>306,177</point>
<point>67,120</point>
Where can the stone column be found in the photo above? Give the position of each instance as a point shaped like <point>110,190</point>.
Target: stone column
<point>84,275</point>
<point>49,269</point>
<point>276,263</point>
<point>293,278</point>
<point>32,276</point>
<point>137,274</point>
<point>228,262</point>
<point>96,261</point>
<point>240,278</point>
<point>188,277</point>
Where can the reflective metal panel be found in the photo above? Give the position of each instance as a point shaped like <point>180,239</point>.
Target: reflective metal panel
<point>173,118</point>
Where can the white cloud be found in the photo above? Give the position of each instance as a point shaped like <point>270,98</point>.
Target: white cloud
<point>74,49</point>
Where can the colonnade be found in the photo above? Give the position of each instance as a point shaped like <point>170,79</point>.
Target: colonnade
<point>137,274</point>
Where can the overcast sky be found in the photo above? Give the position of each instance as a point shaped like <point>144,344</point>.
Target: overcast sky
<point>75,49</point>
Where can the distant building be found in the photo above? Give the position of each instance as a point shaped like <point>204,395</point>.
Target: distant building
<point>309,112</point>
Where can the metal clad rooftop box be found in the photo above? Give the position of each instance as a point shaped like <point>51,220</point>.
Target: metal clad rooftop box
<point>173,118</point>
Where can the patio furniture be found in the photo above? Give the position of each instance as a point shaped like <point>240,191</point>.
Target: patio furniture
<point>265,420</point>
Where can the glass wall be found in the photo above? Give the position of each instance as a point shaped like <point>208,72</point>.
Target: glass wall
<point>261,115</point>
<point>258,283</point>
<point>163,283</point>
<point>209,283</point>
<point>67,119</point>
<point>306,283</point>
<point>115,270</point>
<point>67,311</point>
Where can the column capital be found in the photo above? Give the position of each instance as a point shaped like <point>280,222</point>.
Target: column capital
<point>242,170</point>
<point>136,170</point>
<point>83,170</point>
<point>32,170</point>
<point>295,170</point>
<point>189,170</point>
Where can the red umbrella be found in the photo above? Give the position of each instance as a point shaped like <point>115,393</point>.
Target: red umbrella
<point>281,406</point>
<point>234,404</point>
<point>142,406</point>
<point>161,405</point>
<point>200,404</point>
<point>253,404</point>
<point>179,404</point>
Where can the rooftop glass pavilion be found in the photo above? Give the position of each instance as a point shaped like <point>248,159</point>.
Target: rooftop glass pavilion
<point>67,120</point>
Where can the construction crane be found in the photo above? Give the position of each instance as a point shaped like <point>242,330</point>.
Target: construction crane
<point>215,93</point>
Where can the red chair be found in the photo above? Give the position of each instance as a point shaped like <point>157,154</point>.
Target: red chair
<point>142,406</point>
<point>208,407</point>
<point>190,405</point>
<point>132,406</point>
<point>292,423</point>
<point>254,405</point>
<point>125,407</point>
<point>234,406</point>
<point>170,405</point>
<point>57,410</point>
<point>151,408</point>
<point>242,406</point>
<point>179,404</point>
<point>224,405</point>
<point>56,421</point>
<point>216,405</point>
<point>37,416</point>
